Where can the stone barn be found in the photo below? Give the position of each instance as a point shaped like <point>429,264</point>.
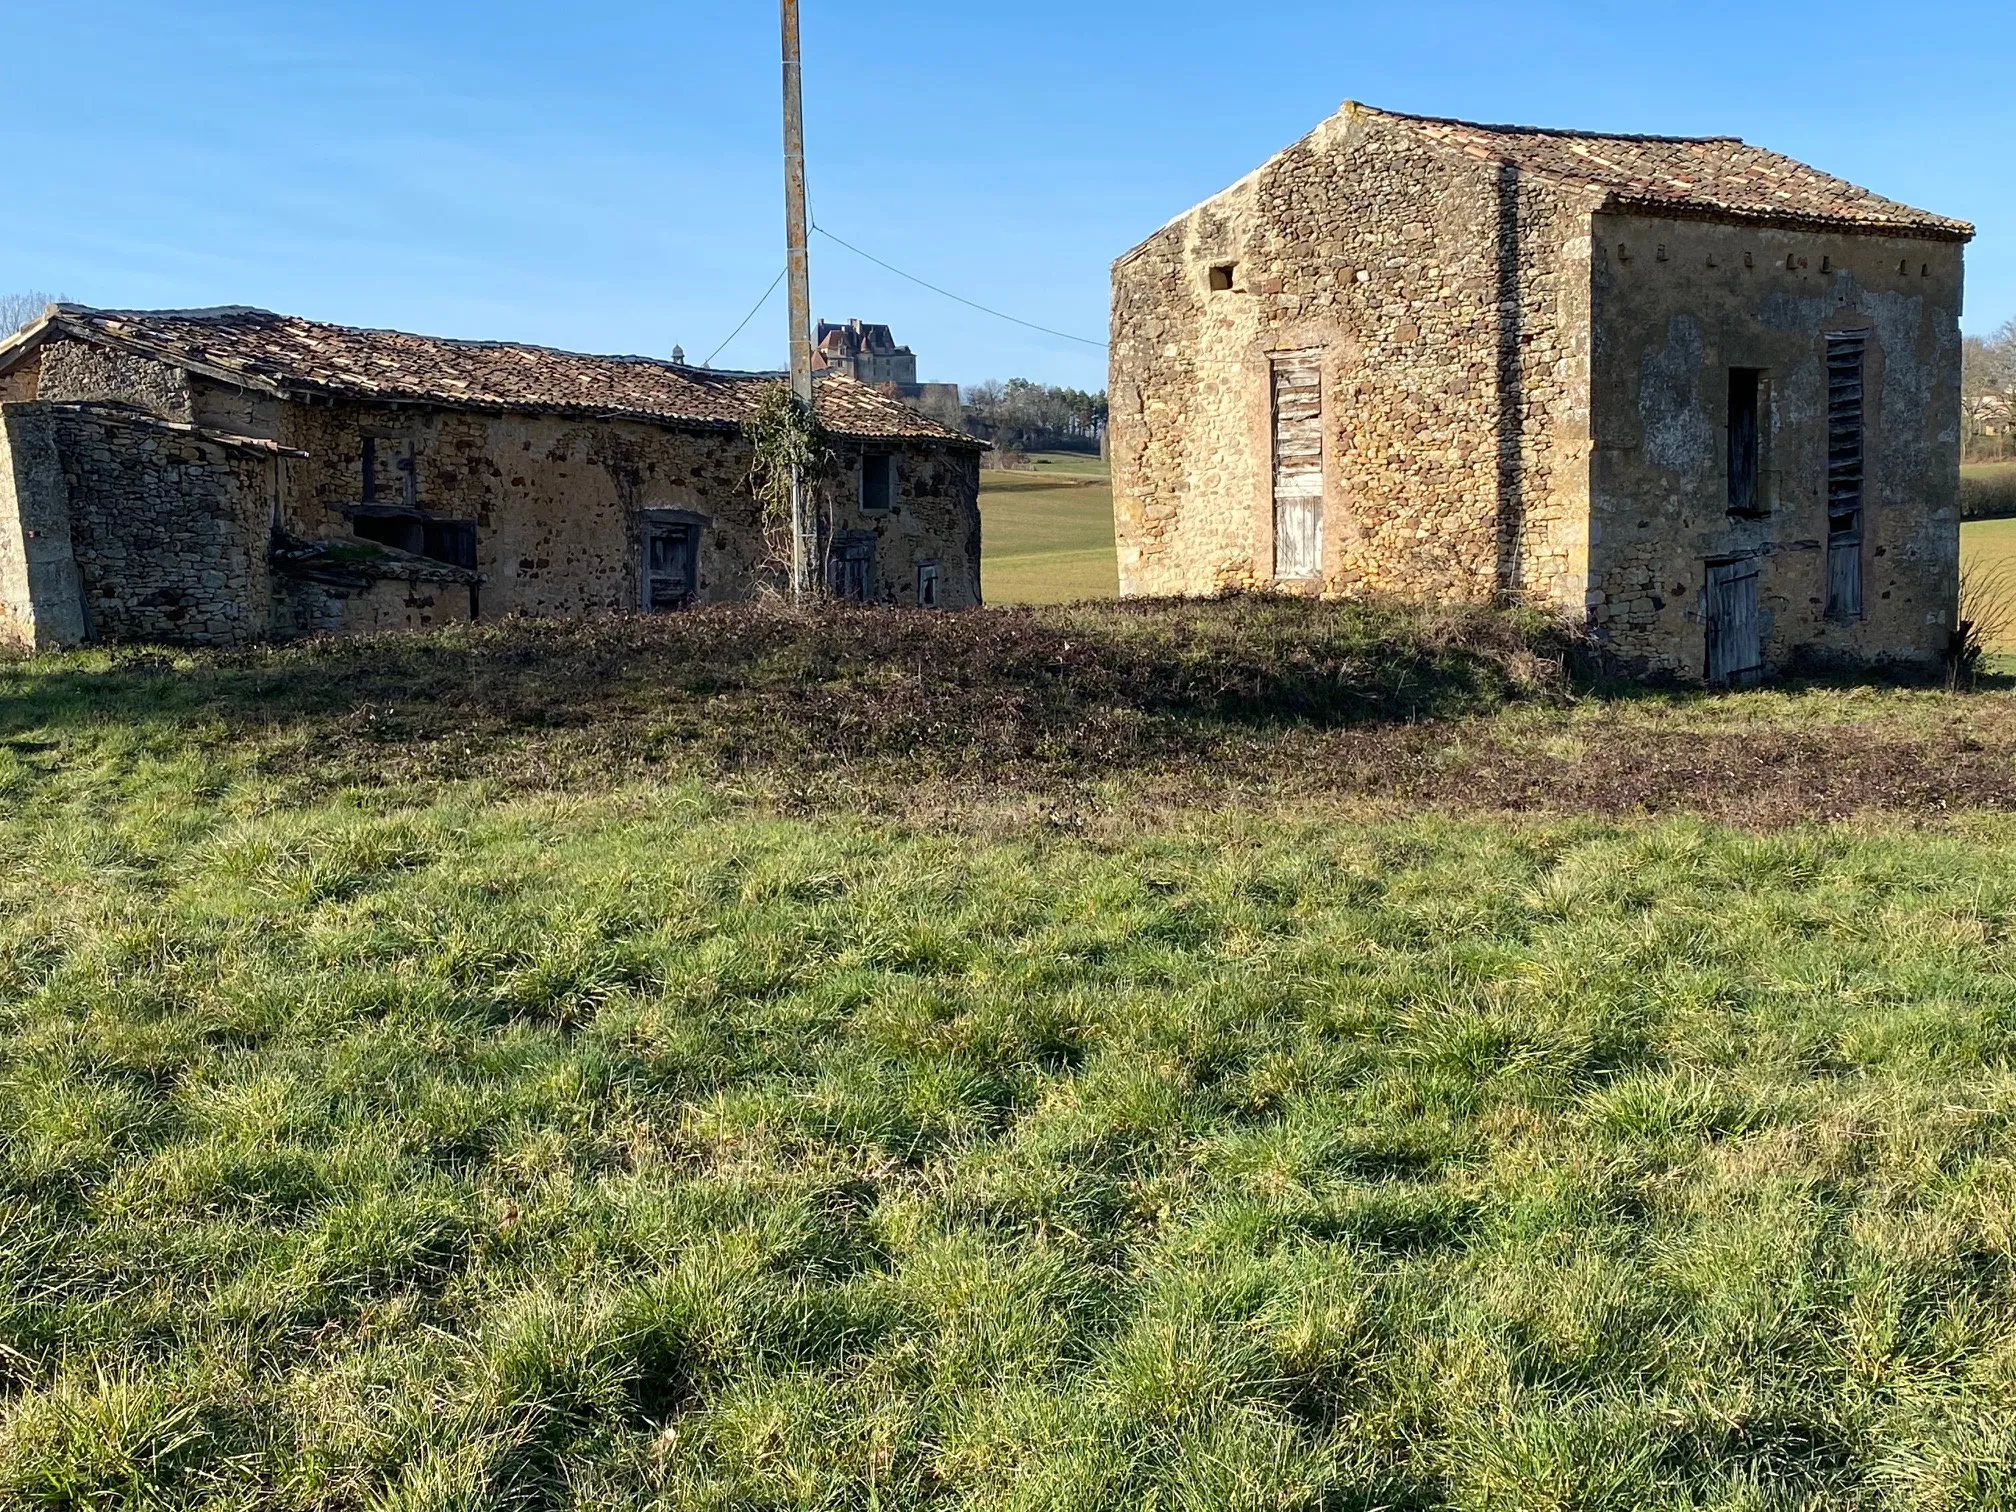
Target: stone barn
<point>1694,393</point>
<point>218,476</point>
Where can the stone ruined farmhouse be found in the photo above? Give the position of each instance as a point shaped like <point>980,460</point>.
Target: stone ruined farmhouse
<point>1696,393</point>
<point>217,476</point>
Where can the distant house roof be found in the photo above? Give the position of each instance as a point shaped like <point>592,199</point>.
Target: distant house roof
<point>1702,177</point>
<point>290,356</point>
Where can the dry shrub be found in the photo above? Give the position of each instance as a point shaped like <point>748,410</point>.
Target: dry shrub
<point>1985,617</point>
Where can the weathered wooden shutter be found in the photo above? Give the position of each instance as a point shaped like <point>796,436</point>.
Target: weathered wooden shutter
<point>1298,464</point>
<point>1745,395</point>
<point>1844,474</point>
<point>1735,636</point>
<point>670,558</point>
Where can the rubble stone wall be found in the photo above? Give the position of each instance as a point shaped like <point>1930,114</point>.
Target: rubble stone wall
<point>81,370</point>
<point>1448,297</point>
<point>40,601</point>
<point>389,603</point>
<point>169,529</point>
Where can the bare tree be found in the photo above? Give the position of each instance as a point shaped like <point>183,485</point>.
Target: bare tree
<point>16,310</point>
<point>1988,393</point>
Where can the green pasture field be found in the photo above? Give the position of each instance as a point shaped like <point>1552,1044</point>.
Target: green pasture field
<point>1048,532</point>
<point>1988,555</point>
<point>1255,1055</point>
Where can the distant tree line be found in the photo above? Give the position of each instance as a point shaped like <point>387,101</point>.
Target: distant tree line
<point>1988,396</point>
<point>1022,416</point>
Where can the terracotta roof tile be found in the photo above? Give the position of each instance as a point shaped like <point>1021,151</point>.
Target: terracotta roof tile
<point>289,355</point>
<point>1718,177</point>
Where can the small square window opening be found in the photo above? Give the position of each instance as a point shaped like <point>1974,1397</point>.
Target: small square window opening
<point>1221,277</point>
<point>927,585</point>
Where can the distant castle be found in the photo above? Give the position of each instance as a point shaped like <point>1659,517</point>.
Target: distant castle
<point>869,354</point>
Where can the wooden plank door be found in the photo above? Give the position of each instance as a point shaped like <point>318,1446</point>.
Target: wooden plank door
<point>670,557</point>
<point>1298,464</point>
<point>1735,634</point>
<point>851,570</point>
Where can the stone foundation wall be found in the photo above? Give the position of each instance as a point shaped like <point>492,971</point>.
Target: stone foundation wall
<point>313,608</point>
<point>1448,298</point>
<point>1676,305</point>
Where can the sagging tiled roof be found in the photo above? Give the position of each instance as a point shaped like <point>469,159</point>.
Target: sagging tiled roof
<point>117,412</point>
<point>285,354</point>
<point>1712,177</point>
<point>358,564</point>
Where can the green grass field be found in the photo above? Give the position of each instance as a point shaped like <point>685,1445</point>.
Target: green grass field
<point>1048,531</point>
<point>1988,555</point>
<point>1254,1055</point>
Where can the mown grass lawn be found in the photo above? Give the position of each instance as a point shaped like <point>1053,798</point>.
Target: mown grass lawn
<point>460,1141</point>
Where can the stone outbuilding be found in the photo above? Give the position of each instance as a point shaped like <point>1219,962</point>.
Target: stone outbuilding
<point>1695,393</point>
<point>218,476</point>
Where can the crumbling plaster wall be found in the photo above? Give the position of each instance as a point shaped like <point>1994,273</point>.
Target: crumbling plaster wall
<point>1449,298</point>
<point>21,380</point>
<point>41,605</point>
<point>936,518</point>
<point>1676,305</point>
<point>559,503</point>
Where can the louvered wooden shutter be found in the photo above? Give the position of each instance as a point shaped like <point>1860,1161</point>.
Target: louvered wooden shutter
<point>1844,474</point>
<point>1298,464</point>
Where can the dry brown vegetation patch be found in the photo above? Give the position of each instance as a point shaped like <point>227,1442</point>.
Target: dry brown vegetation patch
<point>1191,701</point>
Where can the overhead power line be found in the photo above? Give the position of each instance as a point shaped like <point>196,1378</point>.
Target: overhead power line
<point>959,298</point>
<point>749,317</point>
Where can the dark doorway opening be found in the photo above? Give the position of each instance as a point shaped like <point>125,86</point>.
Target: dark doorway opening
<point>851,570</point>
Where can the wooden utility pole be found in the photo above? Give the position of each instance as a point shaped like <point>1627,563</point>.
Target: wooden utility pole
<point>800,279</point>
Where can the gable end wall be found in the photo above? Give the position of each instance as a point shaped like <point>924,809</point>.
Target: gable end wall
<point>83,370</point>
<point>1679,303</point>
<point>1448,297</point>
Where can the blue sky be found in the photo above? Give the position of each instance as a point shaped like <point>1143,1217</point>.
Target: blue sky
<point>605,176</point>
